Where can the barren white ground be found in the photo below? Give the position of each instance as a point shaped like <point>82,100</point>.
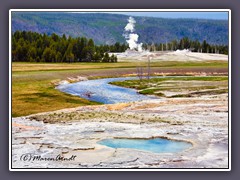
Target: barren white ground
<point>203,121</point>
<point>181,55</point>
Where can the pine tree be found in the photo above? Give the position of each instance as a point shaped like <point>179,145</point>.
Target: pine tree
<point>106,57</point>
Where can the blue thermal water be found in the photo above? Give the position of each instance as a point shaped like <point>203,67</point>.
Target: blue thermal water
<point>156,145</point>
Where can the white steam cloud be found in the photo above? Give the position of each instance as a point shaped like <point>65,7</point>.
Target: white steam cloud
<point>131,37</point>
<point>131,24</point>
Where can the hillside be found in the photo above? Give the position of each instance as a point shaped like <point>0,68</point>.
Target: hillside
<point>109,28</point>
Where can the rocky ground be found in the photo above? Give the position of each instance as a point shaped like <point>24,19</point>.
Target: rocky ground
<point>74,133</point>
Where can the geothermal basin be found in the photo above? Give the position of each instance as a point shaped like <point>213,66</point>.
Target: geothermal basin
<point>121,135</point>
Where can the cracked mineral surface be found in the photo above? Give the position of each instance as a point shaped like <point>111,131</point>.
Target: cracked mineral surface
<point>203,121</point>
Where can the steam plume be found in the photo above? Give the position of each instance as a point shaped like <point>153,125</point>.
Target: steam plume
<point>131,24</point>
<point>131,37</point>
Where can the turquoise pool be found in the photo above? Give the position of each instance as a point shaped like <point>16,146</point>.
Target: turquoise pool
<point>156,145</point>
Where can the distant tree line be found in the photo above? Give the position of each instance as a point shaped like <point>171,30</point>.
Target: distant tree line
<point>186,43</point>
<point>34,47</point>
<point>30,46</point>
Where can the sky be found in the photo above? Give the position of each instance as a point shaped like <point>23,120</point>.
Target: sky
<point>198,15</point>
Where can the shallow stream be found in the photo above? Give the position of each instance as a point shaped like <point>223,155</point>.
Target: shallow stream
<point>100,90</point>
